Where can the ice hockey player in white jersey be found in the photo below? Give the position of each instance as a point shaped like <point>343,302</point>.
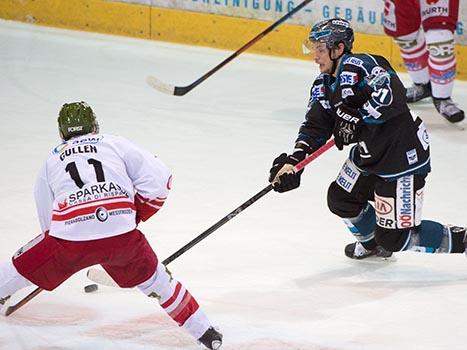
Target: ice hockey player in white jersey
<point>91,193</point>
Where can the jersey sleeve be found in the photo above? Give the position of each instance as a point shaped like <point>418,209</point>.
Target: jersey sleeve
<point>44,199</point>
<point>151,179</point>
<point>319,122</point>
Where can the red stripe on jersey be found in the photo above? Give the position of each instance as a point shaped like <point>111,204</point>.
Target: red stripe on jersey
<point>174,296</point>
<point>89,210</point>
<point>86,203</point>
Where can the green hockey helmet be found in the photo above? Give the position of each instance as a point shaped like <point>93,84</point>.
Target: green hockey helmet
<point>75,119</point>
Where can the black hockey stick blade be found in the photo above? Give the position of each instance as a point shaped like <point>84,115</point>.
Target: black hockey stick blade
<point>182,90</point>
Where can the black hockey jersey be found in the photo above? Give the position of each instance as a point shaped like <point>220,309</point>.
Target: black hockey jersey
<point>393,142</point>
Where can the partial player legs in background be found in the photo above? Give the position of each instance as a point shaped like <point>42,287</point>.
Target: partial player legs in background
<point>426,42</point>
<point>181,306</point>
<point>442,68</point>
<point>415,57</point>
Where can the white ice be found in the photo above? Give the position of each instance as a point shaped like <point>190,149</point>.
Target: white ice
<point>274,277</point>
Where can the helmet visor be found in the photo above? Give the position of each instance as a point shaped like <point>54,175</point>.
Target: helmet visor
<point>313,48</point>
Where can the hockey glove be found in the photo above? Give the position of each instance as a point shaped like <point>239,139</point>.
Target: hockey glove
<point>282,176</point>
<point>347,127</point>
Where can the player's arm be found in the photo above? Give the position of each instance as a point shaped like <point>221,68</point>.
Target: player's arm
<point>44,199</point>
<point>151,179</point>
<point>313,133</point>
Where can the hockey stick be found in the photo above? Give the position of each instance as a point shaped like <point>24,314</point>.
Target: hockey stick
<point>101,277</point>
<point>182,90</point>
<point>8,309</point>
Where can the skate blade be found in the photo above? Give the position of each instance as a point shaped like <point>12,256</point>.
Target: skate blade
<point>377,259</point>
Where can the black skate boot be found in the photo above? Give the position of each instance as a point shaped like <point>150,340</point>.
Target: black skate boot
<point>418,92</point>
<point>358,251</point>
<point>448,109</point>
<point>211,339</point>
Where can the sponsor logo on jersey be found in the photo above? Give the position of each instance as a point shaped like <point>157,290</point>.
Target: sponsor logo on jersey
<point>354,61</point>
<point>405,202</point>
<point>87,140</point>
<point>423,136</point>
<point>346,92</point>
<point>102,214</point>
<point>432,8</point>
<point>325,104</point>
<point>317,92</point>
<point>348,78</point>
<point>62,205</point>
<point>412,157</point>
<point>348,176</point>
<point>100,191</point>
<point>60,148</point>
<point>385,213</point>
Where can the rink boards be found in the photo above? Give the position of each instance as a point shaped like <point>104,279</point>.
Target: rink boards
<point>217,26</point>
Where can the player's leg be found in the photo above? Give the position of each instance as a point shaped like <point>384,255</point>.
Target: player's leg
<point>137,266</point>
<point>402,22</point>
<point>439,22</point>
<point>16,273</point>
<point>34,263</point>
<point>348,198</point>
<point>10,281</point>
<point>399,226</point>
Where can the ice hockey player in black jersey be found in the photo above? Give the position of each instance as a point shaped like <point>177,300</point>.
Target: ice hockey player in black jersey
<point>359,99</point>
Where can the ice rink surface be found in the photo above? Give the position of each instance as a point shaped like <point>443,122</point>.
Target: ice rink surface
<point>274,277</point>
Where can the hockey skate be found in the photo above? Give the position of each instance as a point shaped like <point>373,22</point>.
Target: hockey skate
<point>418,92</point>
<point>358,251</point>
<point>211,339</point>
<point>448,109</point>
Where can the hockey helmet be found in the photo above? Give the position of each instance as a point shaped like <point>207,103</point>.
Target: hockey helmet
<point>332,32</point>
<point>75,119</point>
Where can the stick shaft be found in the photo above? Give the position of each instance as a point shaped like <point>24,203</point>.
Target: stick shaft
<point>182,90</point>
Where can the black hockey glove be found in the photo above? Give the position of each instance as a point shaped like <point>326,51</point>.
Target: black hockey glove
<point>347,127</point>
<point>282,176</point>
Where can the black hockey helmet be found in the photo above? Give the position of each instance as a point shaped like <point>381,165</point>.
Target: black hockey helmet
<point>332,32</point>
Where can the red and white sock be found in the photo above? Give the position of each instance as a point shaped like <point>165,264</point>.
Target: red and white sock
<point>414,53</point>
<point>441,62</point>
<point>177,301</point>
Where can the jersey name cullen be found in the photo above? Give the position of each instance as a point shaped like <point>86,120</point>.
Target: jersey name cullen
<point>78,149</point>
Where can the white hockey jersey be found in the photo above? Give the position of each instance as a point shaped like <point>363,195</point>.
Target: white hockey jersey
<point>86,189</point>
